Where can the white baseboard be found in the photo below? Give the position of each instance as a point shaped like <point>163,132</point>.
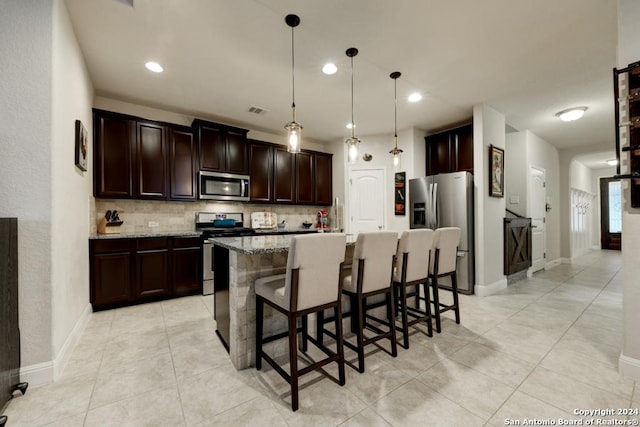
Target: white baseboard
<point>555,262</point>
<point>629,367</point>
<point>596,248</point>
<point>48,372</point>
<point>490,289</point>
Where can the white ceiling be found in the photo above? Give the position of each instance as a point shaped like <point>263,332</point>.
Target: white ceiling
<point>527,59</point>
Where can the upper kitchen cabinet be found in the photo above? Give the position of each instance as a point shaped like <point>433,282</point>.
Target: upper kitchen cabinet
<point>222,148</point>
<point>324,179</point>
<point>450,151</point>
<point>261,171</point>
<point>151,161</point>
<point>182,164</point>
<point>284,178</point>
<point>305,185</point>
<point>113,155</point>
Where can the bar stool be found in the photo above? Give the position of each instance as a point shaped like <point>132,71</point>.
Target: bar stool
<point>412,270</point>
<point>443,264</point>
<point>371,275</point>
<point>312,283</point>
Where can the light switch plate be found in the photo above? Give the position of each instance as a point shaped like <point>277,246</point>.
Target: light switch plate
<point>154,224</point>
<point>514,200</point>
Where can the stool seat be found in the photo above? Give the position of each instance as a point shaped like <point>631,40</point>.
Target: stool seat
<point>272,288</point>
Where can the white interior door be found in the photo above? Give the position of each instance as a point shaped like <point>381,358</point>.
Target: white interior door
<point>366,200</point>
<point>537,211</point>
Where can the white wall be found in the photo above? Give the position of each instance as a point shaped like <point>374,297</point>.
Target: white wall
<point>488,129</point>
<point>580,177</point>
<point>70,187</point>
<point>25,162</point>
<point>515,172</point>
<point>628,52</point>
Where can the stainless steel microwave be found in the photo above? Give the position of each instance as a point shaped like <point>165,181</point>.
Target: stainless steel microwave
<point>223,186</point>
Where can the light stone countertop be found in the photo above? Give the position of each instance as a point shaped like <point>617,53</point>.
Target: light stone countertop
<point>141,235</point>
<point>253,245</point>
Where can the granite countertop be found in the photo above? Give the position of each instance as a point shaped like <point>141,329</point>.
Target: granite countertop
<point>253,245</point>
<point>136,235</point>
<point>288,230</point>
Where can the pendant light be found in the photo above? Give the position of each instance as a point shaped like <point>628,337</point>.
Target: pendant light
<point>293,128</point>
<point>395,151</point>
<point>353,142</point>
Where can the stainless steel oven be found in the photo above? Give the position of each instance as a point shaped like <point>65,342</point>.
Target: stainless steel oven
<point>223,186</point>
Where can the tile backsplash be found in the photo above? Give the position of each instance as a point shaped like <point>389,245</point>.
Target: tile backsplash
<point>180,216</point>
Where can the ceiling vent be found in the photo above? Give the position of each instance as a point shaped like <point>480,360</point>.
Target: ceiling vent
<point>257,110</point>
<point>127,2</point>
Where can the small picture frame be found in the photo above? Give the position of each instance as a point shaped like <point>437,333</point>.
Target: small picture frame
<point>82,146</point>
<point>399,191</point>
<point>496,168</point>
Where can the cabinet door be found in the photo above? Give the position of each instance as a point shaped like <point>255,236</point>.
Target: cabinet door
<point>114,151</point>
<point>305,185</point>
<point>236,152</point>
<point>324,179</point>
<point>441,154</point>
<point>187,271</point>
<point>283,176</point>
<point>152,161</point>
<point>110,279</point>
<point>152,274</point>
<point>211,143</point>
<point>261,172</point>
<point>182,165</point>
<point>463,143</point>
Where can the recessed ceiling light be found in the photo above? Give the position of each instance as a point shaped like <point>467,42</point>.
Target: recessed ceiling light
<point>414,97</point>
<point>571,114</point>
<point>154,66</point>
<point>329,68</point>
<point>350,125</point>
<point>612,162</point>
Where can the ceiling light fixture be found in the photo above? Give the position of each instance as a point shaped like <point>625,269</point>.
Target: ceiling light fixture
<point>571,114</point>
<point>154,66</point>
<point>353,142</point>
<point>395,151</point>
<point>414,97</point>
<point>293,128</point>
<point>612,162</point>
<point>350,125</point>
<point>329,68</point>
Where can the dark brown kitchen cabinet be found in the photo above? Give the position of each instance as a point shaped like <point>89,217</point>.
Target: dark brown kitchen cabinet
<point>151,156</point>
<point>323,179</point>
<point>284,177</point>
<point>222,148</point>
<point>186,261</point>
<point>182,164</point>
<point>261,171</point>
<point>152,268</point>
<point>450,151</point>
<point>128,271</point>
<point>111,272</point>
<point>305,185</point>
<point>114,154</point>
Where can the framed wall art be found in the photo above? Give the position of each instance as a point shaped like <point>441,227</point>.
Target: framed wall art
<point>496,171</point>
<point>400,192</point>
<point>81,146</point>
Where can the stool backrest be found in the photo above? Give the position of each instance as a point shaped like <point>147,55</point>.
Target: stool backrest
<point>445,242</point>
<point>417,245</point>
<point>377,250</point>
<point>317,258</point>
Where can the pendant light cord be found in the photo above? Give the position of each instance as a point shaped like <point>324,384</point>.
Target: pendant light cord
<point>395,111</point>
<point>353,124</point>
<point>293,75</point>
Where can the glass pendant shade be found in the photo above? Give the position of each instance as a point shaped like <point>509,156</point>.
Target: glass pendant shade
<point>352,148</point>
<point>294,131</point>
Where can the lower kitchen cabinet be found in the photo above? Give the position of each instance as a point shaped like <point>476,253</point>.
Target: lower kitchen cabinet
<point>129,271</point>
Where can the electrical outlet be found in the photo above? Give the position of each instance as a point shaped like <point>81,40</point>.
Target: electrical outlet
<point>154,224</point>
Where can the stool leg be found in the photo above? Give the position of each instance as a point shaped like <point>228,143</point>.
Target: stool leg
<point>337,314</point>
<point>293,359</point>
<point>436,302</point>
<point>427,304</point>
<point>259,327</point>
<point>320,326</point>
<point>454,287</point>
<point>404,315</point>
<point>305,334</point>
<point>392,320</point>
<point>416,290</point>
<point>360,333</point>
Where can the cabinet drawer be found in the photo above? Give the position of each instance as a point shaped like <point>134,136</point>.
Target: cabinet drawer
<point>151,243</point>
<point>186,242</point>
<point>111,245</point>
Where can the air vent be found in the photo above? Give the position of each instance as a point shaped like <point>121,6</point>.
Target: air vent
<point>127,2</point>
<point>257,110</point>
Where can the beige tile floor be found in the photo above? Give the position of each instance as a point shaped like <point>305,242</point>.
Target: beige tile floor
<point>540,349</point>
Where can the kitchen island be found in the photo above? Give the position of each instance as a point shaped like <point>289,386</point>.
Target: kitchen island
<point>238,262</point>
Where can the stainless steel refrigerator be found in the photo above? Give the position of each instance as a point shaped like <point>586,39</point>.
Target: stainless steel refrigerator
<point>446,200</point>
